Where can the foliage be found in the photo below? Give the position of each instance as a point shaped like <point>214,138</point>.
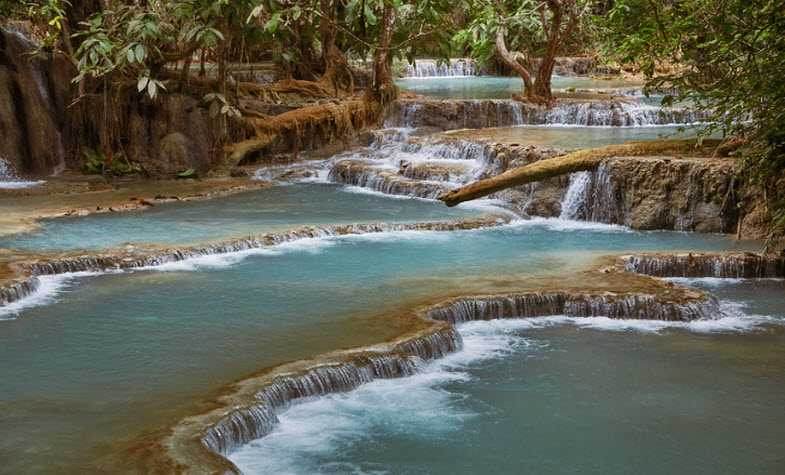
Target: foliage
<point>724,56</point>
<point>96,163</point>
<point>535,30</point>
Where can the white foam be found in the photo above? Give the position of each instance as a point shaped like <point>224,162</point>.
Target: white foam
<point>559,224</point>
<point>717,281</point>
<point>733,320</point>
<point>228,259</point>
<point>19,184</point>
<point>49,287</point>
<point>367,191</point>
<point>312,433</point>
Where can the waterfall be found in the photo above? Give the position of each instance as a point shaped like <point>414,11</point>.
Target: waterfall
<point>18,290</point>
<point>423,169</point>
<point>480,113</point>
<point>131,260</point>
<point>362,174</point>
<point>537,304</point>
<point>10,180</point>
<point>6,171</point>
<point>427,68</point>
<point>736,265</point>
<point>591,196</point>
<point>245,424</point>
<point>573,206</point>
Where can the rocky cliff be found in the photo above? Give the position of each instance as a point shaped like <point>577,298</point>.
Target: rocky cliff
<point>33,97</point>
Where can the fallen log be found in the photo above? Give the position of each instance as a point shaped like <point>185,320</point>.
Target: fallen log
<point>581,160</point>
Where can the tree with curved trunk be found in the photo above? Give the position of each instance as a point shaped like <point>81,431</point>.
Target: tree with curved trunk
<point>538,29</point>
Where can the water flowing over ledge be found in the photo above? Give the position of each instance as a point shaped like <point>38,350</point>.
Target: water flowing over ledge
<point>143,258</point>
<point>243,425</point>
<point>476,113</point>
<point>430,68</point>
<point>18,290</point>
<point>537,304</point>
<point>726,265</point>
<point>251,410</point>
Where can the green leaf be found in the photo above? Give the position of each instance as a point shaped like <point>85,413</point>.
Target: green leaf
<point>152,89</point>
<point>140,52</point>
<point>272,24</point>
<point>142,84</point>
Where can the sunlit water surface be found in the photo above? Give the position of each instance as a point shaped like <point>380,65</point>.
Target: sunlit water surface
<point>499,87</point>
<point>570,137</point>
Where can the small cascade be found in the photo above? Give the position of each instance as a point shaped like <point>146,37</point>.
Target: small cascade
<point>382,137</point>
<point>362,174</point>
<point>734,265</point>
<point>537,304</point>
<point>141,259</point>
<point>591,196</point>
<point>10,180</point>
<point>481,113</point>
<point>423,169</point>
<point>243,425</point>
<point>573,205</point>
<point>602,202</point>
<point>429,68</point>
<point>18,290</point>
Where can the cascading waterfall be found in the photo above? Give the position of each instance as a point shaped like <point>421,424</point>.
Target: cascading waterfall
<point>10,180</point>
<point>456,67</point>
<point>591,196</point>
<point>18,290</point>
<point>134,260</point>
<point>537,304</point>
<point>574,203</point>
<point>480,113</point>
<point>740,265</point>
<point>243,425</point>
<point>417,169</point>
<point>120,261</point>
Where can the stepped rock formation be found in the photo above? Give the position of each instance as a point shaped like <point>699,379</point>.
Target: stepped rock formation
<point>136,258</point>
<point>480,113</point>
<point>722,265</point>
<point>250,410</point>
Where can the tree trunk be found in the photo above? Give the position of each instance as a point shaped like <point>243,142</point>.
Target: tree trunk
<point>511,60</point>
<point>384,89</point>
<point>335,63</point>
<point>572,162</point>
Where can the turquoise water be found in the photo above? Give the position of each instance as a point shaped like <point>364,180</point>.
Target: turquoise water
<point>101,359</point>
<point>273,209</point>
<point>547,396</point>
<point>568,138</point>
<point>498,87</point>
